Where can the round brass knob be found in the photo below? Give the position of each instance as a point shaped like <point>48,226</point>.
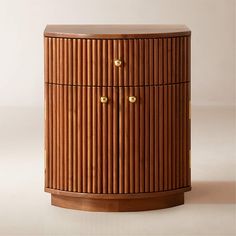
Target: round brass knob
<point>132,99</point>
<point>104,99</point>
<point>117,62</point>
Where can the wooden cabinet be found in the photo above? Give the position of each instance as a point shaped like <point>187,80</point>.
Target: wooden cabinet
<point>117,116</point>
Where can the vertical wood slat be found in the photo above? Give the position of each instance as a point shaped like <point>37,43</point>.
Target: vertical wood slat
<point>151,138</point>
<point>58,156</point>
<point>61,112</point>
<point>94,140</point>
<point>181,135</point>
<point>46,136</point>
<point>123,67</point>
<point>165,141</point>
<point>104,144</point>
<point>160,61</point>
<point>89,118</point>
<point>110,137</point>
<point>46,61</point>
<point>136,119</point>
<point>169,135</point>
<point>109,63</point>
<point>54,149</point>
<point>161,137</point>
<point>115,139</point>
<point>121,140</point>
<point>136,140</point>
<point>177,137</point>
<point>89,136</point>
<point>131,137</point>
<point>173,135</point>
<point>156,138</point>
<point>130,121</point>
<point>142,139</point>
<point>47,115</point>
<point>188,136</point>
<point>84,137</point>
<point>79,141</point>
<point>70,133</point>
<point>99,140</point>
<point>126,140</point>
<point>147,138</point>
<point>136,62</point>
<point>50,136</point>
<point>74,139</point>
<point>151,115</point>
<point>104,119</point>
<point>185,150</point>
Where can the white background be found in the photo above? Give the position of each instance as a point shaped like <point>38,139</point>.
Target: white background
<point>209,209</point>
<point>212,23</point>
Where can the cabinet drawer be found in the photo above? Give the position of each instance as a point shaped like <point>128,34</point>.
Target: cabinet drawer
<point>124,62</point>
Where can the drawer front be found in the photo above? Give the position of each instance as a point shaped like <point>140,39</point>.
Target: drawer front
<point>117,140</point>
<point>130,62</point>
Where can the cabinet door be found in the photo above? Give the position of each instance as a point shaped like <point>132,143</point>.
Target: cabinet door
<point>81,139</point>
<point>154,138</point>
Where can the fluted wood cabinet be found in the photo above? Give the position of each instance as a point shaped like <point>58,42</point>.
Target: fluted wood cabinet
<point>117,116</point>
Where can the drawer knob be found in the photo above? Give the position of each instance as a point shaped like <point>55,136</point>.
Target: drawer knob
<point>104,99</point>
<point>132,99</point>
<point>117,62</point>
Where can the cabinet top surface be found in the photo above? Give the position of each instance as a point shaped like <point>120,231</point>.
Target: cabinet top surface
<point>116,31</point>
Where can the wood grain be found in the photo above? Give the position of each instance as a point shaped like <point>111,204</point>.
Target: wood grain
<point>118,147</point>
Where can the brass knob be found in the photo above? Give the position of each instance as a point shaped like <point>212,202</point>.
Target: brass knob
<point>104,99</point>
<point>132,99</point>
<point>117,62</point>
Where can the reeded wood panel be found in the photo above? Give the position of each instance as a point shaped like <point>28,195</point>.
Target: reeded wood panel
<point>119,146</point>
<point>91,61</point>
<point>81,139</point>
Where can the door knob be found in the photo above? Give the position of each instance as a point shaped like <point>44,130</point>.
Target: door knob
<point>132,99</point>
<point>104,99</point>
<point>117,62</point>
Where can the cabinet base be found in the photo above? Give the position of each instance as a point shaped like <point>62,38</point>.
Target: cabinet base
<point>129,202</point>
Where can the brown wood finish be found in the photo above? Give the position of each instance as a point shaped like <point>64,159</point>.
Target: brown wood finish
<point>117,148</point>
<point>157,129</point>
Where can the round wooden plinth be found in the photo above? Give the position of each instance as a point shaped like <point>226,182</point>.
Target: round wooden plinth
<point>118,202</point>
